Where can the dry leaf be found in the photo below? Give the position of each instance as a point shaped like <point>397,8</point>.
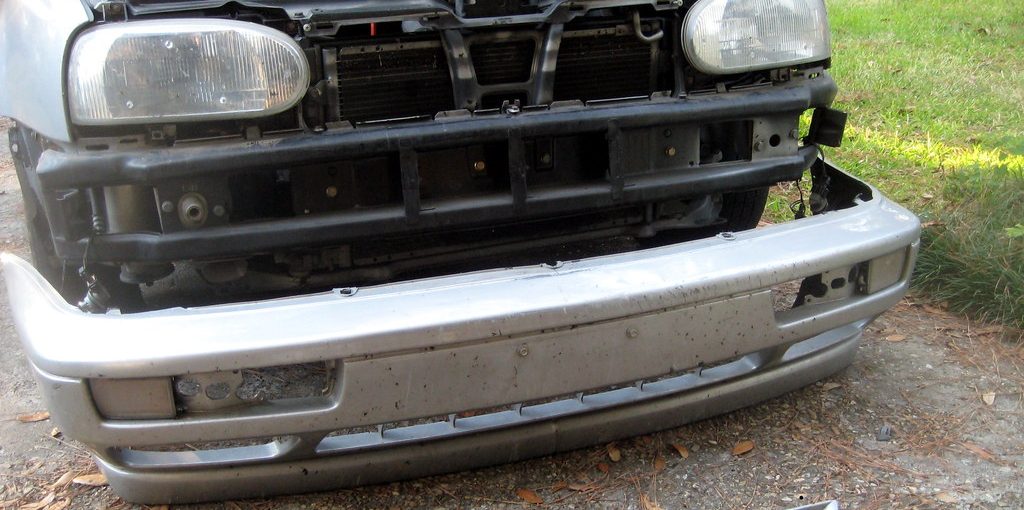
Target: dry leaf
<point>229,504</point>
<point>91,480</point>
<point>659,464</point>
<point>59,505</point>
<point>743,447</point>
<point>988,398</point>
<point>55,432</point>
<point>39,504</point>
<point>63,480</point>
<point>559,486</point>
<point>683,452</point>
<point>647,503</point>
<point>529,496</point>
<point>829,386</point>
<point>580,487</point>
<point>613,452</point>
<point>946,497</point>
<point>34,417</point>
<point>979,451</point>
<point>32,469</point>
<point>896,338</point>
<point>991,330</point>
<point>602,467</point>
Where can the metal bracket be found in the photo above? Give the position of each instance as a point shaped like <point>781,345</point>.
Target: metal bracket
<point>113,11</point>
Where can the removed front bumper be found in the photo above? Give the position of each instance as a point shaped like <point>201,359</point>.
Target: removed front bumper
<point>577,353</point>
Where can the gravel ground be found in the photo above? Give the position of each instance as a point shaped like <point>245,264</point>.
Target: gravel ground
<point>950,390</point>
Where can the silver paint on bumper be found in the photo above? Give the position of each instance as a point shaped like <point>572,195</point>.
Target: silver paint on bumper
<point>560,357</point>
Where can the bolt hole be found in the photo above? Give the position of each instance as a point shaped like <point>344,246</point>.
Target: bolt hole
<point>774,141</point>
<point>194,212</point>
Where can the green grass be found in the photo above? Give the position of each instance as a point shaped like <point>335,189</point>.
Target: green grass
<point>932,87</point>
<point>935,93</point>
<point>973,258</point>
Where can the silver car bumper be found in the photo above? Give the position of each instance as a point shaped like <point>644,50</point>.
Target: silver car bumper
<point>544,359</point>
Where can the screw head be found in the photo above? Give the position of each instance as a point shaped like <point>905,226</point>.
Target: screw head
<point>670,151</point>
<point>759,146</point>
<point>480,166</point>
<point>14,148</point>
<point>331,191</point>
<point>218,210</point>
<point>167,206</point>
<point>794,134</point>
<point>307,27</point>
<point>523,351</point>
<point>632,332</point>
<point>545,159</point>
<point>129,105</point>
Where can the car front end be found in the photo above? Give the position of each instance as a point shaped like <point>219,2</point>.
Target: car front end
<point>283,247</point>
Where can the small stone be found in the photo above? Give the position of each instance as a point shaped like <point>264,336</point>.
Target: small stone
<point>884,433</point>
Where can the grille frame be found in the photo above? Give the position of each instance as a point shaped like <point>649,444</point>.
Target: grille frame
<point>476,71</point>
<point>407,92</point>
<point>575,70</point>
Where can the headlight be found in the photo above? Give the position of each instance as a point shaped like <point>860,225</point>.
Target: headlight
<point>162,71</point>
<point>734,36</point>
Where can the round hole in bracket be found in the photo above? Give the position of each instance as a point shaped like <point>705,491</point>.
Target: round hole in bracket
<point>775,140</point>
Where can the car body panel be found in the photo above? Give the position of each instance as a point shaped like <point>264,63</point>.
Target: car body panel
<point>34,37</point>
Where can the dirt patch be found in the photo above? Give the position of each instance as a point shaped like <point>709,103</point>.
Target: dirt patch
<point>949,391</point>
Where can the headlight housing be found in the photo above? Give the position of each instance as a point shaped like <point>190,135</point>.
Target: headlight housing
<point>735,36</point>
<point>178,70</point>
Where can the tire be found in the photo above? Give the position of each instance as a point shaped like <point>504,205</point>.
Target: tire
<point>742,210</point>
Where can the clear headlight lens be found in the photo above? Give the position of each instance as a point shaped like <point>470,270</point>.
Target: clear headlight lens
<point>174,70</point>
<point>734,36</point>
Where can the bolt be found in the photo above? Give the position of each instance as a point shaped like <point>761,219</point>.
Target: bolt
<point>632,333</point>
<point>523,350</point>
<point>14,148</point>
<point>129,105</point>
<point>192,210</point>
<point>670,151</point>
<point>480,166</point>
<point>167,206</point>
<point>307,27</point>
<point>545,159</point>
<point>512,109</point>
<point>218,210</point>
<point>169,44</point>
<point>331,191</point>
<point>794,133</point>
<point>728,236</point>
<point>759,145</point>
<point>223,100</point>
